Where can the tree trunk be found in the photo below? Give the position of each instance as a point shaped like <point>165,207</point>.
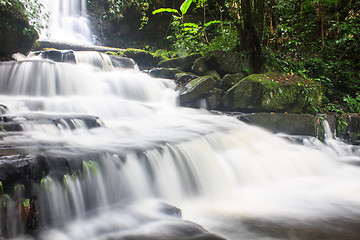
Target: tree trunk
<point>251,31</point>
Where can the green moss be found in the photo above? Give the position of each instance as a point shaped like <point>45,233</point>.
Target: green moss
<point>115,53</point>
<point>273,92</point>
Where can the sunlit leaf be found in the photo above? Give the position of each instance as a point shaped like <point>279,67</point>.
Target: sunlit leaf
<point>162,10</point>
<point>185,6</point>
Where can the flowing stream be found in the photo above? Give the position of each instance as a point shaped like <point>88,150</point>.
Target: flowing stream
<point>119,159</point>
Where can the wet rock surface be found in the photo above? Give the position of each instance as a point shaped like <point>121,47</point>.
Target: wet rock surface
<point>323,229</point>
<point>11,123</point>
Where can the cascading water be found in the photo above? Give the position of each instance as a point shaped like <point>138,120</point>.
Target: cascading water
<point>115,149</point>
<point>67,22</point>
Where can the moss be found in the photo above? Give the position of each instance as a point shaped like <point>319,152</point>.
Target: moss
<point>115,53</point>
<point>273,92</point>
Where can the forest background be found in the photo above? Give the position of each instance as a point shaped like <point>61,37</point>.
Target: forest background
<point>316,39</point>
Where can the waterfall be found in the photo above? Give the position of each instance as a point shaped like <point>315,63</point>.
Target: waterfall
<point>67,22</point>
<point>117,158</point>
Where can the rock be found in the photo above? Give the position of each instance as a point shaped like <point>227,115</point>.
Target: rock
<point>181,79</point>
<point>58,55</point>
<point>293,124</point>
<point>19,169</point>
<point>230,80</point>
<point>170,210</point>
<point>348,127</point>
<point>182,63</point>
<point>16,34</point>
<point>214,74</point>
<point>199,67</point>
<point>144,59</point>
<point>3,109</point>
<point>16,123</point>
<point>169,73</point>
<point>44,45</point>
<point>227,62</point>
<point>123,62</point>
<point>272,92</point>
<point>196,89</point>
<point>215,99</point>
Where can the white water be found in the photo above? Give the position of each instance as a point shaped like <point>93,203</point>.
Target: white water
<point>218,170</point>
<point>67,22</point>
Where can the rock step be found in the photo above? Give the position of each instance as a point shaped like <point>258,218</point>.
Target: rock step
<point>10,123</point>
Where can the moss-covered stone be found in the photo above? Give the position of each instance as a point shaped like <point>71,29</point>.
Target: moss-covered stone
<point>182,63</point>
<point>214,74</point>
<point>169,73</point>
<point>294,124</point>
<point>348,127</point>
<point>214,100</point>
<point>144,59</point>
<point>230,80</point>
<point>227,62</point>
<point>199,67</point>
<point>196,89</point>
<point>16,34</point>
<point>272,92</point>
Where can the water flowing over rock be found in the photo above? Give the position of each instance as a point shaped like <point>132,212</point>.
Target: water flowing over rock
<point>103,150</point>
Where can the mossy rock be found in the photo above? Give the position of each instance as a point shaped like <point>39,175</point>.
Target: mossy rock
<point>199,67</point>
<point>182,63</point>
<point>230,80</point>
<point>16,34</point>
<point>348,127</point>
<point>144,59</point>
<point>273,92</point>
<point>214,74</point>
<point>227,62</point>
<point>293,124</point>
<point>196,89</point>
<point>169,73</point>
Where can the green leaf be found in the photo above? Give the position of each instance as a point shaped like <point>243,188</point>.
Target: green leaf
<point>211,22</point>
<point>162,10</point>
<point>185,6</point>
<point>191,25</point>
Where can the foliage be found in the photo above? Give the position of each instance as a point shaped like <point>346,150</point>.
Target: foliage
<point>32,9</point>
<point>353,104</point>
<point>116,10</point>
<point>201,36</point>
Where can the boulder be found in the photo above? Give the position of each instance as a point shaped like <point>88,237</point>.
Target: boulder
<point>182,63</point>
<point>227,62</point>
<point>169,73</point>
<point>19,169</point>
<point>144,59</point>
<point>348,127</point>
<point>58,55</point>
<point>214,74</point>
<point>196,89</point>
<point>123,62</point>
<point>272,92</point>
<point>214,100</point>
<point>230,80</point>
<point>293,124</point>
<point>199,67</point>
<point>181,79</point>
<point>16,34</point>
